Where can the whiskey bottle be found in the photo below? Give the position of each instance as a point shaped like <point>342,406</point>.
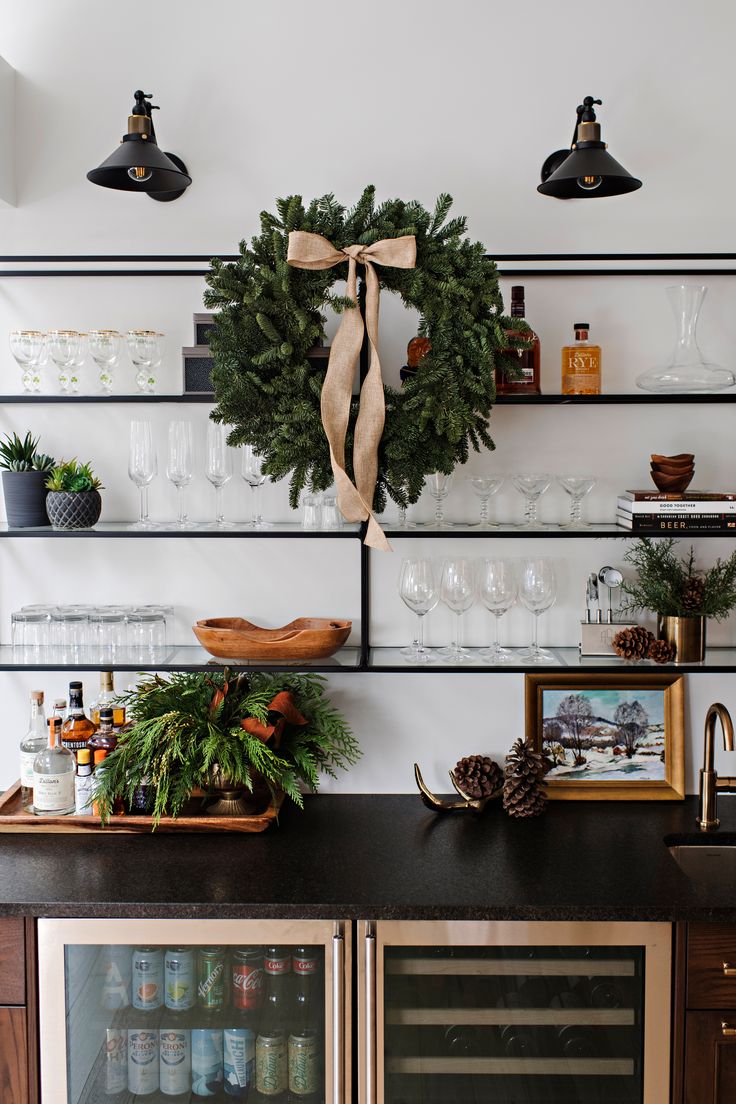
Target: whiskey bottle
<point>77,728</point>
<point>105,736</point>
<point>527,358</point>
<point>35,740</point>
<point>581,364</point>
<point>106,697</point>
<point>53,777</point>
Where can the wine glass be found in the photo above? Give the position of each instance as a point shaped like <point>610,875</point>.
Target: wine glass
<point>104,347</point>
<point>497,589</point>
<point>419,591</point>
<point>27,347</point>
<point>180,465</point>
<point>439,486</point>
<point>252,472</point>
<point>532,486</point>
<point>142,466</point>
<point>219,468</point>
<point>146,349</point>
<point>65,348</point>
<point>485,486</point>
<point>537,591</point>
<point>577,486</point>
<point>457,591</point>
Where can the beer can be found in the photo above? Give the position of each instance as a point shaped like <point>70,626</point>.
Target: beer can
<point>175,1061</point>
<point>179,985</point>
<point>303,1065</point>
<point>142,1061</point>
<point>271,1065</point>
<point>246,973</point>
<point>238,1061</point>
<point>211,978</point>
<point>206,1061</point>
<point>148,978</point>
<point>116,1061</point>
<point>115,992</point>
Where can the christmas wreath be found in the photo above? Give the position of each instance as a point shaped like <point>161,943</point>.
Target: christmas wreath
<point>270,315</point>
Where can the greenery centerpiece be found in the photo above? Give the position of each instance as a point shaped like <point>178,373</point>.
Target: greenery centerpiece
<point>73,500</point>
<point>254,729</point>
<point>24,480</point>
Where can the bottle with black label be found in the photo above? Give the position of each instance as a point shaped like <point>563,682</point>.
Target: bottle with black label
<point>526,358</point>
<point>77,727</point>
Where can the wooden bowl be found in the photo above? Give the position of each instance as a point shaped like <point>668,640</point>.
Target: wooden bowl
<point>671,484</point>
<point>683,458</point>
<point>304,638</point>
<point>672,469</point>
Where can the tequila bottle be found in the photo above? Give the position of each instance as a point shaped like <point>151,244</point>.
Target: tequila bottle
<point>35,740</point>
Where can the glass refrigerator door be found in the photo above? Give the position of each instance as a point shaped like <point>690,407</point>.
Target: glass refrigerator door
<point>191,1012</point>
<point>515,1013</point>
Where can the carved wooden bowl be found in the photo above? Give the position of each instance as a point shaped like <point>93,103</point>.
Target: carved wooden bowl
<point>304,638</point>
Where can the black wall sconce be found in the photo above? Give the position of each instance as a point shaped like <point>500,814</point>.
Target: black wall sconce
<point>138,165</point>
<point>586,170</point>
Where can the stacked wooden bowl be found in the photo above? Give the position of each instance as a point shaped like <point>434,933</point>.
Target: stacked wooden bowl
<point>673,474</point>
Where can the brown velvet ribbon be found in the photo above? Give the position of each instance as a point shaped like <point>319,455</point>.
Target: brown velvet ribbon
<point>312,251</point>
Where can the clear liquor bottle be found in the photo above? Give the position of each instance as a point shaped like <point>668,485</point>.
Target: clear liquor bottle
<point>35,740</point>
<point>54,771</point>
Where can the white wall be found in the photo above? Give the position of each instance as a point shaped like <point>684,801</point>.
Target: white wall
<point>265,99</point>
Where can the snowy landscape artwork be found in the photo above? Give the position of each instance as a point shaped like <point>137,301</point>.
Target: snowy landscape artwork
<point>602,735</point>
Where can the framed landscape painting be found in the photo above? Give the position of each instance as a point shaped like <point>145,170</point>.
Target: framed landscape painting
<point>609,737</point>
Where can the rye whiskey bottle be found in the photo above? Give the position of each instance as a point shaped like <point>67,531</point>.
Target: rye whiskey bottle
<point>528,358</point>
<point>581,364</point>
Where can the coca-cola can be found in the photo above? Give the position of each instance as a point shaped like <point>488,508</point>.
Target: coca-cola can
<point>247,978</point>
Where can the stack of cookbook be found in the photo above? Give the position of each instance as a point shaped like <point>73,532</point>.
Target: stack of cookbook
<point>694,510</point>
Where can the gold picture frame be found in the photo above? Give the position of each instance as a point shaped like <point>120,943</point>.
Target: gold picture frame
<point>630,725</point>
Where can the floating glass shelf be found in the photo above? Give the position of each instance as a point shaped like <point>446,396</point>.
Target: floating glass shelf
<point>634,398</point>
<point>390,659</point>
<point>241,529</point>
<point>184,657</point>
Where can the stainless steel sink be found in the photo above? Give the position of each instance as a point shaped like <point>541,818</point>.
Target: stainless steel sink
<point>707,862</point>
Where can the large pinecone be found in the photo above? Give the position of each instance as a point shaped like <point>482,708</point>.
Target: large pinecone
<point>523,787</point>
<point>661,651</point>
<point>477,775</point>
<point>692,594</point>
<point>633,643</point>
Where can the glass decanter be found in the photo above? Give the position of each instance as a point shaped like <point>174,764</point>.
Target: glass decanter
<point>687,371</point>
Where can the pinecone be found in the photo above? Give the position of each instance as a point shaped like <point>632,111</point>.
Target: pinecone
<point>523,787</point>
<point>477,775</point>
<point>692,594</point>
<point>661,651</point>
<point>633,643</point>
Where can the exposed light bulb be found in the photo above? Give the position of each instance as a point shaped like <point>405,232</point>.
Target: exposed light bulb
<point>139,174</point>
<point>589,183</point>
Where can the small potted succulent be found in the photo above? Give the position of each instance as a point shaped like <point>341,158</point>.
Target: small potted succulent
<point>25,472</point>
<point>73,500</point>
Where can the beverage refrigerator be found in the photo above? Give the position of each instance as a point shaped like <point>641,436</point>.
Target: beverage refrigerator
<point>186,1011</point>
<point>514,1012</point>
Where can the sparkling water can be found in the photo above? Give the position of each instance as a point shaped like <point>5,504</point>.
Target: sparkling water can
<point>179,983</point>
<point>206,1061</point>
<point>148,978</point>
<point>239,1060</point>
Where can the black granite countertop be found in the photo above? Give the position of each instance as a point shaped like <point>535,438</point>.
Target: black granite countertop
<point>379,857</point>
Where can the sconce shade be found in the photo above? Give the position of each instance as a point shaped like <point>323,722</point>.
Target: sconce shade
<point>168,172</point>
<point>563,182</point>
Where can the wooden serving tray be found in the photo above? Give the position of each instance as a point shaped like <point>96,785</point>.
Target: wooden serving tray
<point>14,819</point>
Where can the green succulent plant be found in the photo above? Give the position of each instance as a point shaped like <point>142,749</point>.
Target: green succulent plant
<point>19,455</point>
<point>73,477</point>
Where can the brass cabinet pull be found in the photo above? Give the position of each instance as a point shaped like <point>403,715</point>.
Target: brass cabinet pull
<point>728,1030</point>
<point>729,970</point>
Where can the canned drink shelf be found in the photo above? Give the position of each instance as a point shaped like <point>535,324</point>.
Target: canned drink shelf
<point>513,967</point>
<point>526,1067</point>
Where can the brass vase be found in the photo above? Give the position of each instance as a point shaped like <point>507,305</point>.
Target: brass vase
<point>687,634</point>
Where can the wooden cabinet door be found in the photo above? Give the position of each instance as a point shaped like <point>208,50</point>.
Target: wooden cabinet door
<point>710,1058</point>
<point>13,1057</point>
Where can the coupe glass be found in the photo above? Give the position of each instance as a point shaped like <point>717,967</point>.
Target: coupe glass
<point>485,486</point>
<point>65,349</point>
<point>142,466</point>
<point>577,486</point>
<point>104,348</point>
<point>180,465</point>
<point>439,486</point>
<point>537,591</point>
<point>419,591</point>
<point>457,591</point>
<point>219,468</point>
<point>497,589</point>
<point>532,486</point>
<point>27,347</point>
<point>252,472</point>
<point>146,349</point>
<point>688,370</point>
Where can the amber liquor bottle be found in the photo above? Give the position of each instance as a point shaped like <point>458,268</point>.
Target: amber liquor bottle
<point>526,359</point>
<point>77,728</point>
<point>581,364</point>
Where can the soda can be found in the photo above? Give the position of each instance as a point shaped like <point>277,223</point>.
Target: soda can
<point>238,1061</point>
<point>247,978</point>
<point>142,1061</point>
<point>211,978</point>
<point>206,1061</point>
<point>116,1061</point>
<point>303,1065</point>
<point>179,986</point>
<point>115,992</point>
<point>148,978</point>
<point>175,1061</point>
<point>271,1065</point>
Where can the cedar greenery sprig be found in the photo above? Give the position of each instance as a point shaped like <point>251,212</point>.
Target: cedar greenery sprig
<point>189,722</point>
<point>664,580</point>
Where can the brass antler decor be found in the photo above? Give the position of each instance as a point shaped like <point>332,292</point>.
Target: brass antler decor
<point>476,804</point>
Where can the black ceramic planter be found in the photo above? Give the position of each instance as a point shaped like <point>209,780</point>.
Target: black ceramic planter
<point>73,509</point>
<point>25,498</point>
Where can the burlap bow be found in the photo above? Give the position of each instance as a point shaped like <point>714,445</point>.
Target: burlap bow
<point>312,251</point>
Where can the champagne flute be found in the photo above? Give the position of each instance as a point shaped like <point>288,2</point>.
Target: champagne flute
<point>142,466</point>
<point>457,591</point>
<point>180,466</point>
<point>419,591</point>
<point>497,590</point>
<point>219,468</point>
<point>537,591</point>
<point>252,472</point>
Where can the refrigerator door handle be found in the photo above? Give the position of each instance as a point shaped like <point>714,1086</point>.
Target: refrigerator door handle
<point>370,1017</point>
<point>338,1018</point>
